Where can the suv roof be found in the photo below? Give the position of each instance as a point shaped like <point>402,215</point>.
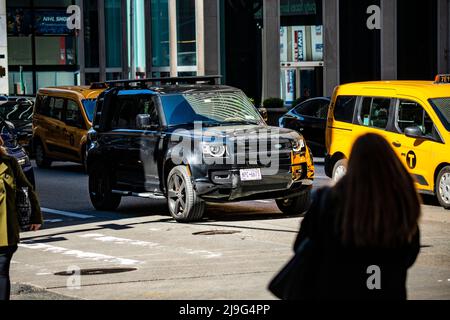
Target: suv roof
<point>183,89</point>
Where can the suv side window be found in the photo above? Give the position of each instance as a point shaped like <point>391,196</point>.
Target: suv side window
<point>412,114</point>
<point>127,108</point>
<point>375,112</point>
<point>344,109</point>
<point>73,115</point>
<point>315,109</point>
<point>56,108</point>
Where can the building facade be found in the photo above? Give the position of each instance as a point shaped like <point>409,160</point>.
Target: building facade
<point>268,48</point>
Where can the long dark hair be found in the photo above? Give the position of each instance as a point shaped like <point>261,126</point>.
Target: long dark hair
<point>381,206</point>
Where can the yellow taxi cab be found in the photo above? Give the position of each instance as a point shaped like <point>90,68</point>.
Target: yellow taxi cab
<point>414,116</point>
<point>61,120</point>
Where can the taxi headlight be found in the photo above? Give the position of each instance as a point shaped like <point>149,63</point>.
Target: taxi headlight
<point>298,145</point>
<point>214,150</point>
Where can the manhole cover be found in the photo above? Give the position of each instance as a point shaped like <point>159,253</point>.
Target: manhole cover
<point>96,272</point>
<point>215,232</point>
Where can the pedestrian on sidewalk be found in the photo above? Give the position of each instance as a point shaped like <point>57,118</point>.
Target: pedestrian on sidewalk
<point>361,236</point>
<point>12,178</point>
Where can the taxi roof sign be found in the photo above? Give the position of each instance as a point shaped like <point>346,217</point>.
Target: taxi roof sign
<point>442,79</point>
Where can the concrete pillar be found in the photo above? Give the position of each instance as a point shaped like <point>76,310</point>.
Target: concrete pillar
<point>101,40</point>
<point>388,39</point>
<point>331,76</point>
<point>271,50</point>
<point>80,42</point>
<point>4,84</point>
<point>443,14</point>
<point>173,38</point>
<point>212,37</point>
<point>200,36</point>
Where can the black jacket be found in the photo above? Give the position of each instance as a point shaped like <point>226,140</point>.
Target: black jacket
<point>342,273</point>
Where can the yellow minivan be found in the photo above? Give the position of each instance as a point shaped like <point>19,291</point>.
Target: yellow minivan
<point>61,120</point>
<point>414,116</point>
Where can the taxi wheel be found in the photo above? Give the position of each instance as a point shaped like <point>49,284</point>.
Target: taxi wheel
<point>100,190</point>
<point>41,159</point>
<point>295,206</point>
<point>443,187</point>
<point>184,204</point>
<point>340,170</point>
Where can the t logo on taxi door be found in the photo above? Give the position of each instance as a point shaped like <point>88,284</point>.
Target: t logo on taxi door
<point>411,160</point>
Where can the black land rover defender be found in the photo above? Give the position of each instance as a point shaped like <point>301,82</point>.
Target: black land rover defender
<point>191,141</point>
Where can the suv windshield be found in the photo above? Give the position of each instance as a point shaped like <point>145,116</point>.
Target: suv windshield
<point>442,108</point>
<point>89,108</point>
<point>220,108</point>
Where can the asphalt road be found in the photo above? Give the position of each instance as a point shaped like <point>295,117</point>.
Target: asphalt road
<point>139,252</point>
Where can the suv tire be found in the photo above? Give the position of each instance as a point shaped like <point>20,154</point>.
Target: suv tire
<point>100,189</point>
<point>183,202</point>
<point>443,187</point>
<point>42,161</point>
<point>295,206</point>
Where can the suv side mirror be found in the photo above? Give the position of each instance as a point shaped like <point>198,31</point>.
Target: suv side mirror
<point>144,122</point>
<point>414,132</point>
<point>264,114</point>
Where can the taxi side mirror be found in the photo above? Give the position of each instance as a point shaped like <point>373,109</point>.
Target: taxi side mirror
<point>144,122</point>
<point>414,132</point>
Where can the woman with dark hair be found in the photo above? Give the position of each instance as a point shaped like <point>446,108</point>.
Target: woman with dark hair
<point>12,178</point>
<point>364,230</point>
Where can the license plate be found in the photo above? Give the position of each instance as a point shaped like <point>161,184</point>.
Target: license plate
<point>251,175</point>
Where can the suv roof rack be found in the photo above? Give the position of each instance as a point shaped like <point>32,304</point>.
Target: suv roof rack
<point>211,80</point>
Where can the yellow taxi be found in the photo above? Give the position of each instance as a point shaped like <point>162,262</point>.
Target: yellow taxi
<point>62,117</point>
<point>414,116</point>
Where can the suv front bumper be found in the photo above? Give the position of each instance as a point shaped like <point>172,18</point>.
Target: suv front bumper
<point>231,188</point>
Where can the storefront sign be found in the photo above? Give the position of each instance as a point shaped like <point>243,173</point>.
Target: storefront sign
<point>51,22</point>
<point>298,7</point>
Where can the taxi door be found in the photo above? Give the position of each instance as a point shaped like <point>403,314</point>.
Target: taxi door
<point>415,153</point>
<point>74,130</point>
<point>53,124</point>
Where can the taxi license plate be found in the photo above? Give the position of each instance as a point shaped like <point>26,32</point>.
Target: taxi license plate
<point>251,175</point>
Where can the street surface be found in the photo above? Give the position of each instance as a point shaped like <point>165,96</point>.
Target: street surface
<point>139,252</point>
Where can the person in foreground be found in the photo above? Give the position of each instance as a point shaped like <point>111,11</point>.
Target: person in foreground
<point>12,178</point>
<point>365,229</point>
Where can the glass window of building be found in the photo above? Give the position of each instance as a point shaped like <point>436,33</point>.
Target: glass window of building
<point>113,33</point>
<point>91,40</point>
<point>187,45</point>
<point>301,49</point>
<point>160,33</point>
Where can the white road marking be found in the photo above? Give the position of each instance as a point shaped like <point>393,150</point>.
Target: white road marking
<point>146,244</point>
<point>67,214</point>
<point>53,220</point>
<point>79,254</point>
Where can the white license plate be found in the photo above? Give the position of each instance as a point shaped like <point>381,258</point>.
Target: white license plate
<point>251,175</point>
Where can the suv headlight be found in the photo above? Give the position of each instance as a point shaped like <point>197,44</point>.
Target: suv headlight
<point>214,150</point>
<point>298,145</point>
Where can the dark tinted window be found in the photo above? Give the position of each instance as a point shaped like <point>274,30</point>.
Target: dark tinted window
<point>42,105</point>
<point>411,114</point>
<point>55,108</point>
<point>73,115</point>
<point>344,109</point>
<point>315,109</point>
<point>375,112</point>
<point>128,108</point>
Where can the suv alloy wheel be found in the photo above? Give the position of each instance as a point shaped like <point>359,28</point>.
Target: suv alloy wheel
<point>184,204</point>
<point>100,189</point>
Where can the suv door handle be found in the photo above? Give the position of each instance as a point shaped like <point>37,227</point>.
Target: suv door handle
<point>396,144</point>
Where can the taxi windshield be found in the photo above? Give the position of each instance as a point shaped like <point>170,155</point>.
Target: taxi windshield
<point>442,108</point>
<point>89,108</point>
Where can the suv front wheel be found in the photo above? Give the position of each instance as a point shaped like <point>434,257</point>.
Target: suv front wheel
<point>295,206</point>
<point>100,190</point>
<point>184,204</point>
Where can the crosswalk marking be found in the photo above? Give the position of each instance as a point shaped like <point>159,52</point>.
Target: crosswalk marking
<point>92,256</point>
<point>67,214</point>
